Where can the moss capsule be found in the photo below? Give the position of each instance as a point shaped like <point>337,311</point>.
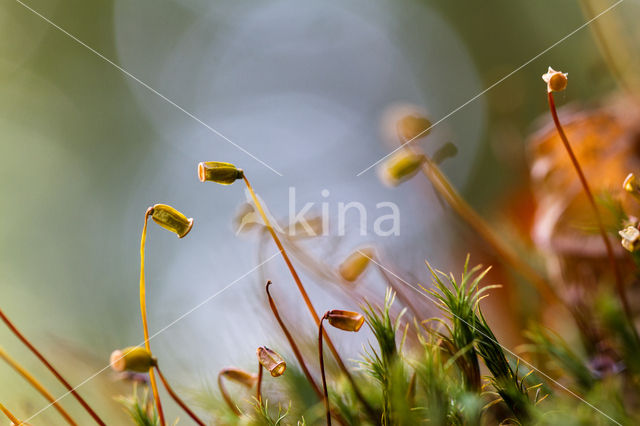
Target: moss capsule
<point>556,80</point>
<point>272,361</point>
<point>400,167</point>
<point>171,219</point>
<point>355,264</point>
<point>345,320</point>
<point>133,358</point>
<point>222,173</point>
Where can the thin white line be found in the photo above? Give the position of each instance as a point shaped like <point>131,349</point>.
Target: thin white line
<point>181,317</point>
<point>151,89</point>
<point>495,84</point>
<point>497,343</point>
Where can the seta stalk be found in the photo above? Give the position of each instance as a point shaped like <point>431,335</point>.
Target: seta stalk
<point>603,233</point>
<point>51,368</point>
<point>259,385</point>
<point>10,416</point>
<point>36,385</point>
<point>322,373</point>
<point>143,312</point>
<point>292,343</point>
<point>370,411</point>
<point>177,399</point>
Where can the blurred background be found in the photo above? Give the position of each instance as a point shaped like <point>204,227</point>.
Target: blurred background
<point>303,86</point>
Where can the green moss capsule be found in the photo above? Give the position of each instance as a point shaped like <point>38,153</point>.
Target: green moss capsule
<point>171,219</point>
<point>133,358</point>
<point>401,166</point>
<point>222,173</point>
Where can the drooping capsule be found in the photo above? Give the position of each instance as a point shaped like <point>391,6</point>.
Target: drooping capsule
<point>171,219</point>
<point>271,360</point>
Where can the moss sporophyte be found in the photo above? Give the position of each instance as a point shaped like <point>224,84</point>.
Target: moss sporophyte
<point>176,222</point>
<point>226,173</point>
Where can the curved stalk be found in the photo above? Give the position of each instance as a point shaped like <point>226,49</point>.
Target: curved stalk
<point>292,342</point>
<point>51,368</point>
<point>603,233</point>
<point>143,312</point>
<point>324,379</point>
<point>226,397</point>
<point>370,411</point>
<point>259,385</point>
<point>177,399</point>
<point>37,385</point>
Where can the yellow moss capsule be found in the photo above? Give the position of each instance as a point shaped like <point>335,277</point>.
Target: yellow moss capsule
<point>222,173</point>
<point>355,264</point>
<point>271,360</point>
<point>556,80</point>
<point>630,238</point>
<point>401,166</point>
<point>239,376</point>
<point>411,127</point>
<point>345,320</point>
<point>171,219</point>
<point>631,184</point>
<point>133,358</point>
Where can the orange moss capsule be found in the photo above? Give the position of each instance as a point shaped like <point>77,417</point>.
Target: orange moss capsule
<point>355,264</point>
<point>239,376</point>
<point>133,358</point>
<point>171,219</point>
<point>216,171</point>
<point>411,127</point>
<point>272,361</point>
<point>556,80</point>
<point>345,320</point>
